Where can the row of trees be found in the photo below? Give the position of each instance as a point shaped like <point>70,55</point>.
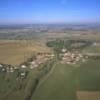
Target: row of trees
<point>57,45</point>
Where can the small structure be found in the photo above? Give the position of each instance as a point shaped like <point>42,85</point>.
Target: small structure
<point>15,67</point>
<point>33,65</point>
<point>94,43</point>
<point>67,54</point>
<point>80,55</point>
<point>23,66</point>
<point>63,50</point>
<point>1,65</point>
<point>9,69</point>
<point>3,69</point>
<point>22,75</point>
<point>52,56</point>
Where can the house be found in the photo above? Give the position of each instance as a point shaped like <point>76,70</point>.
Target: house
<point>1,65</point>
<point>67,54</point>
<point>63,50</point>
<point>9,69</point>
<point>33,64</point>
<point>94,44</point>
<point>15,67</point>
<point>77,59</point>
<point>23,66</point>
<point>3,70</point>
<point>80,55</point>
<point>73,56</point>
<point>67,59</point>
<point>22,75</point>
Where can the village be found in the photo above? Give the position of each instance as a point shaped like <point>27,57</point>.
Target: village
<point>23,68</point>
<point>66,57</point>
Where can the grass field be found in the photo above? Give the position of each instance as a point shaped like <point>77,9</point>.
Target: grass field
<point>11,89</point>
<point>59,85</point>
<point>64,81</point>
<point>16,52</point>
<point>92,49</point>
<point>89,76</point>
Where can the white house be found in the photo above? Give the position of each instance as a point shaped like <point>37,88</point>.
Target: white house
<point>11,69</point>
<point>33,64</point>
<point>23,66</point>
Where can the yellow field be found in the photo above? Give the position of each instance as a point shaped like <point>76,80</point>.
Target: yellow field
<point>85,95</point>
<point>16,52</point>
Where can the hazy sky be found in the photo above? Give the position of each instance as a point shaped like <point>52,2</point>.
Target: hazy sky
<point>49,11</point>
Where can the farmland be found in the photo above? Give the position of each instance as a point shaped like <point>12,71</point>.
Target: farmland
<point>59,85</point>
<point>67,82</point>
<point>61,82</point>
<point>17,51</point>
<point>88,95</point>
<point>52,79</point>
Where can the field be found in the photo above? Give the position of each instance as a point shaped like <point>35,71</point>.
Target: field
<point>15,52</point>
<point>64,83</point>
<point>11,89</point>
<point>89,75</point>
<point>58,85</point>
<point>87,95</point>
<point>92,49</point>
<point>49,81</point>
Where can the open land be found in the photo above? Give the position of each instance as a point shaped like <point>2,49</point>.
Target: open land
<point>66,66</point>
<point>17,51</point>
<point>88,95</point>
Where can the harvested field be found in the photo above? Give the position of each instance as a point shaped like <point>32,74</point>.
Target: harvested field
<point>16,52</point>
<point>85,95</point>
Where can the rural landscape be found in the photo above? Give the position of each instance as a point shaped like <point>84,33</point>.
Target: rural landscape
<point>49,49</point>
<point>50,67</point>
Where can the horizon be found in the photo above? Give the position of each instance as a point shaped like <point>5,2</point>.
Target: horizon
<point>49,11</point>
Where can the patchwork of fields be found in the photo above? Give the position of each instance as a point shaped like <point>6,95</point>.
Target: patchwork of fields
<point>49,81</point>
<point>63,82</point>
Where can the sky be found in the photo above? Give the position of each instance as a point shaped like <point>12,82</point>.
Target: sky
<point>49,11</point>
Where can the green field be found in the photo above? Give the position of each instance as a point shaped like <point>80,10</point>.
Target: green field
<point>13,89</point>
<point>61,83</point>
<point>66,80</point>
<point>89,76</point>
<point>92,49</point>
